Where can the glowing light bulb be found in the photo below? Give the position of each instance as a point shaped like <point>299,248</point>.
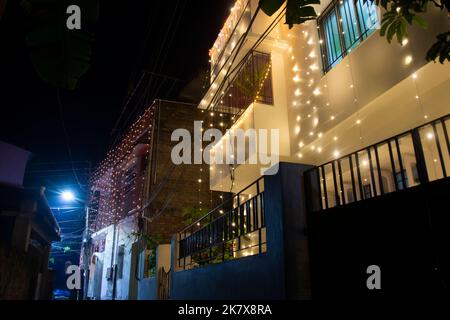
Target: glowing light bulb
<point>408,60</point>
<point>68,196</point>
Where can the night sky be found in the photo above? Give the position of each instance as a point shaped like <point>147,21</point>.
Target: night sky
<point>170,38</point>
<point>181,32</point>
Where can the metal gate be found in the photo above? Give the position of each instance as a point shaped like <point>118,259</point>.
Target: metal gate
<point>163,284</point>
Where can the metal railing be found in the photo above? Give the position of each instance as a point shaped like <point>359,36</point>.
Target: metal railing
<point>406,160</point>
<point>234,229</point>
<point>253,82</point>
<point>164,284</point>
<point>342,28</point>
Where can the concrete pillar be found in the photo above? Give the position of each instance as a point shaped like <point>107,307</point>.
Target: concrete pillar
<point>21,232</point>
<point>286,211</point>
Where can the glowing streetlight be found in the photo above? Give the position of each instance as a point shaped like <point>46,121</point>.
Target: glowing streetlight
<point>68,196</point>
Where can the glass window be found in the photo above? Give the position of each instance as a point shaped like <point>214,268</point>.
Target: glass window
<point>332,39</point>
<point>343,26</point>
<point>399,180</point>
<point>368,17</point>
<point>349,23</point>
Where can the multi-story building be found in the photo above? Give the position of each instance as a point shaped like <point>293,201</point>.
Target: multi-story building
<point>27,230</point>
<point>363,149</point>
<point>139,199</point>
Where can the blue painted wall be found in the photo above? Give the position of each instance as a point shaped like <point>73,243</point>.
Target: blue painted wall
<point>262,276</point>
<point>147,289</point>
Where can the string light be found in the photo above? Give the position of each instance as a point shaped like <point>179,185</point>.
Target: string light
<point>120,165</point>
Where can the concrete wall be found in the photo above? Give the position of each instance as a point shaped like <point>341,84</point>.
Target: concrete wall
<point>404,233</point>
<point>147,289</point>
<point>282,272</point>
<point>116,236</point>
<point>174,190</point>
<point>372,82</point>
<point>323,115</point>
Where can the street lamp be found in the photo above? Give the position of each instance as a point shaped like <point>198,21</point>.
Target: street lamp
<point>67,196</point>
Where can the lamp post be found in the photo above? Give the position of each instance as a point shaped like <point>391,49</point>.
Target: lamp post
<point>67,196</point>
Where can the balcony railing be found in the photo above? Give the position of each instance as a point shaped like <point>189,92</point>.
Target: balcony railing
<point>252,82</point>
<point>234,229</point>
<point>409,159</point>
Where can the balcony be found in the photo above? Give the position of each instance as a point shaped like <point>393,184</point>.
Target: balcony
<point>412,158</point>
<point>230,35</point>
<point>233,230</point>
<point>251,82</point>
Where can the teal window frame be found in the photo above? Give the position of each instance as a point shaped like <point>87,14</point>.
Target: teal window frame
<point>343,26</point>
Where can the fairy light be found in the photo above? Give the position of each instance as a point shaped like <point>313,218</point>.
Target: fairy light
<point>120,164</point>
<point>408,59</point>
<point>227,31</point>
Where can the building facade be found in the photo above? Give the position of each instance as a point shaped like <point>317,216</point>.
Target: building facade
<point>357,178</point>
<point>27,230</point>
<point>362,124</point>
<point>139,199</point>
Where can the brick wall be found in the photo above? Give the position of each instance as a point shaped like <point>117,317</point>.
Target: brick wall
<point>180,190</point>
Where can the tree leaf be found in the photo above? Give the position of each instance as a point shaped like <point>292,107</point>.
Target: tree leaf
<point>269,7</point>
<point>420,21</point>
<point>60,56</point>
<point>441,49</point>
<point>391,31</point>
<point>299,11</point>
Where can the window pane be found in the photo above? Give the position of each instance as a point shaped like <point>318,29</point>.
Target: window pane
<point>329,179</point>
<point>409,160</point>
<point>344,26</point>
<point>368,17</point>
<point>332,39</point>
<point>386,168</point>
<point>366,177</point>
<point>431,144</point>
<point>349,24</point>
<point>444,147</point>
<point>347,180</point>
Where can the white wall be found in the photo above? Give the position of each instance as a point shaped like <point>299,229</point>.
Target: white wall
<point>115,237</point>
<point>372,84</point>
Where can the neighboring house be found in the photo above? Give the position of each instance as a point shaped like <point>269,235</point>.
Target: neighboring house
<point>361,122</point>
<point>27,229</point>
<point>363,168</point>
<point>139,199</point>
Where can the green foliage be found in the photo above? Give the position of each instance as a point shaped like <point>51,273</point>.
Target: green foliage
<point>60,56</point>
<point>217,254</point>
<point>152,241</point>
<point>271,6</point>
<point>193,214</point>
<point>400,14</point>
<point>441,49</point>
<point>300,11</point>
<point>297,11</point>
<point>248,83</point>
